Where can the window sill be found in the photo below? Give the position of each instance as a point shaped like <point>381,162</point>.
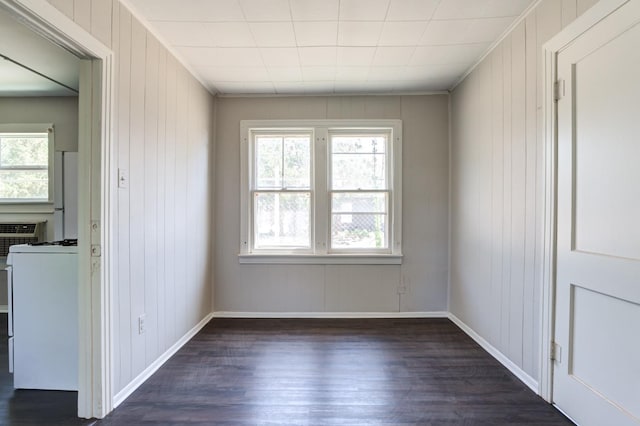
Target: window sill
<point>327,259</point>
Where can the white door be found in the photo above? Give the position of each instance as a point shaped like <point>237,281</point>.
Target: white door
<point>597,377</point>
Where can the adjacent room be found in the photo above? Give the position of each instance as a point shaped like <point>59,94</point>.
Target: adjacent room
<point>322,212</point>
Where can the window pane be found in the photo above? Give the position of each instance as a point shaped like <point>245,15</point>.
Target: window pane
<point>358,161</point>
<point>362,231</point>
<point>364,144</point>
<point>283,162</point>
<point>24,184</point>
<point>297,162</point>
<point>268,162</point>
<point>373,202</point>
<point>24,150</point>
<point>282,219</point>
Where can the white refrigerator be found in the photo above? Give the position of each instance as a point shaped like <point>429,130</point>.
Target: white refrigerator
<point>43,316</point>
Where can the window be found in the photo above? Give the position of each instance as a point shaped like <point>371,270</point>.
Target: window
<point>26,152</point>
<point>321,191</point>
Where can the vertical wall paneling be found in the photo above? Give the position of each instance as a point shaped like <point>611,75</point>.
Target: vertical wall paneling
<point>163,337</point>
<point>532,233</point>
<point>64,6</point>
<point>507,191</point>
<point>583,5</point>
<point>122,304</point>
<point>181,202</point>
<point>518,173</point>
<point>513,106</point>
<point>101,24</point>
<point>497,193</point>
<point>82,14</point>
<point>569,11</point>
<point>150,199</point>
<point>169,174</point>
<point>136,189</point>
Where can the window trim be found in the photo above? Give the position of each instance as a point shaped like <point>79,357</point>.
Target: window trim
<point>320,232</point>
<point>34,128</point>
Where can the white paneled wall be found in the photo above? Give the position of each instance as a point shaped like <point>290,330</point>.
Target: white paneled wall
<point>163,133</point>
<point>341,288</point>
<point>496,188</point>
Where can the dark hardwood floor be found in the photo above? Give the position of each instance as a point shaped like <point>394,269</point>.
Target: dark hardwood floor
<point>32,407</point>
<point>333,372</point>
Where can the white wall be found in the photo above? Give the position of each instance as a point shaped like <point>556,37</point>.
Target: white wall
<point>496,188</point>
<point>62,111</point>
<point>341,288</point>
<point>163,133</point>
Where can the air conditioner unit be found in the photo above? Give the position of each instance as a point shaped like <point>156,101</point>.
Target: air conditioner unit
<point>12,233</point>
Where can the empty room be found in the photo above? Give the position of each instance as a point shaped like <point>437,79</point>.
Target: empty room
<point>304,212</point>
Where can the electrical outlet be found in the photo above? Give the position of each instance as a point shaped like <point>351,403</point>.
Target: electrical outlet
<point>141,325</point>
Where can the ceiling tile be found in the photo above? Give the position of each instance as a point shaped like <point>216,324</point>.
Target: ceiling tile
<point>451,54</point>
<point>278,74</point>
<point>316,33</point>
<point>363,10</point>
<point>469,9</point>
<point>411,10</point>
<point>352,73</point>
<point>464,31</point>
<point>314,10</point>
<point>198,10</point>
<point>359,33</point>
<point>280,56</point>
<point>402,33</point>
<point>393,56</point>
<point>183,33</point>
<point>355,56</point>
<point>238,74</point>
<point>386,73</point>
<point>318,87</point>
<point>318,73</point>
<point>266,10</point>
<point>317,56</point>
<point>273,34</point>
<point>237,57</point>
<point>434,71</point>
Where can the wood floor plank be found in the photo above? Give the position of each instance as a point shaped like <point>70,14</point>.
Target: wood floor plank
<point>333,372</point>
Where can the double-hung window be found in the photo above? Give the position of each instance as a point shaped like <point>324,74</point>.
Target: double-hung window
<point>321,191</point>
<point>26,155</point>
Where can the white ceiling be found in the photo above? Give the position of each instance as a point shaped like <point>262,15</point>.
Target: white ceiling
<point>329,46</point>
<point>26,47</point>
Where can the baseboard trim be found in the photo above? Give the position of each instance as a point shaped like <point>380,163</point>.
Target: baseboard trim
<point>517,371</point>
<point>4,309</point>
<point>337,315</point>
<point>121,396</point>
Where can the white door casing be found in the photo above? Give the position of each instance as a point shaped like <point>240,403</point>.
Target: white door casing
<point>596,377</point>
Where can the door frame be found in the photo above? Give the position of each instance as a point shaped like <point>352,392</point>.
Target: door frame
<point>550,52</point>
<point>95,197</point>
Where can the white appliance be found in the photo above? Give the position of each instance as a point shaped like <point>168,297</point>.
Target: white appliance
<point>65,216</point>
<point>43,316</point>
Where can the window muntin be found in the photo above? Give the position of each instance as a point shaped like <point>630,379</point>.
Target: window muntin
<point>282,202</point>
<point>25,157</point>
<point>353,193</point>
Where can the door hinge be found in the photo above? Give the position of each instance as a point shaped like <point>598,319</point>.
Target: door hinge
<point>558,90</point>
<point>556,352</point>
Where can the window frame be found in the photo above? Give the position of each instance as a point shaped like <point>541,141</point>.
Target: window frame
<point>34,128</point>
<point>320,252</point>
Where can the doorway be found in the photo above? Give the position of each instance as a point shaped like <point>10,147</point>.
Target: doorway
<point>94,196</point>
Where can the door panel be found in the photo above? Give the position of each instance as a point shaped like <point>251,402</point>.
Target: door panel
<point>597,379</point>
